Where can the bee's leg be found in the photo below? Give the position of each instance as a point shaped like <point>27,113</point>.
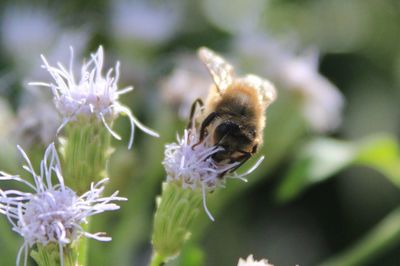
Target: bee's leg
<point>193,111</point>
<point>246,155</point>
<point>242,159</point>
<point>254,149</point>
<point>209,119</point>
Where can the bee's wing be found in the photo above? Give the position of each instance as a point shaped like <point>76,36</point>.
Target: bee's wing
<point>266,90</point>
<point>221,71</point>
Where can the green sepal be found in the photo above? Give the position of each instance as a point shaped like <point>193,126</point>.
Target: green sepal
<point>176,210</point>
<point>49,255</point>
<point>85,150</point>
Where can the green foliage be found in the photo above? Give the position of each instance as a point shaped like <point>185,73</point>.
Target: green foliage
<point>382,237</point>
<point>322,158</point>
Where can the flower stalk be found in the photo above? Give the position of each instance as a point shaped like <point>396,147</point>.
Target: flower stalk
<point>86,149</point>
<point>49,255</point>
<point>177,208</point>
<point>157,260</point>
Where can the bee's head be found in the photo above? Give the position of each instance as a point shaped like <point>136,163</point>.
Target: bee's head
<point>232,137</point>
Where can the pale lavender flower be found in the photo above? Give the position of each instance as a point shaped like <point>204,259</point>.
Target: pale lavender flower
<point>323,102</point>
<point>25,32</point>
<point>187,82</point>
<point>51,212</point>
<point>6,118</point>
<point>94,96</point>
<point>250,261</point>
<point>143,21</point>
<point>192,167</point>
<point>37,120</point>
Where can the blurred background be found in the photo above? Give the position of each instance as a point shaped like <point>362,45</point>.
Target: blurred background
<point>328,191</point>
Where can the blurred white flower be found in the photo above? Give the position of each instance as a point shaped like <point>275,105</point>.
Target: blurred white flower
<point>26,31</point>
<point>143,21</point>
<point>6,118</point>
<point>37,119</point>
<point>94,96</point>
<point>234,16</point>
<point>36,123</point>
<point>188,81</point>
<point>251,262</point>
<point>190,165</point>
<point>59,50</point>
<point>7,141</point>
<point>51,213</point>
<point>323,102</point>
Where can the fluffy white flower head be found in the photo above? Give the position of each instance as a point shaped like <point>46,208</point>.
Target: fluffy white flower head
<point>94,96</point>
<point>191,165</point>
<point>251,262</point>
<point>51,213</point>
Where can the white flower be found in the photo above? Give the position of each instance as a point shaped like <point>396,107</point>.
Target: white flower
<point>323,102</point>
<point>6,118</point>
<point>192,166</point>
<point>251,262</point>
<point>25,32</point>
<point>94,95</point>
<point>37,120</point>
<point>28,30</point>
<point>51,212</point>
<point>143,21</point>
<point>187,82</point>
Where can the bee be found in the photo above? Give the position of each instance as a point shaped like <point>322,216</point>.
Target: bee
<point>234,111</point>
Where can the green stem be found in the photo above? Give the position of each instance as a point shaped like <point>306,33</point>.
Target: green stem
<point>83,246</point>
<point>85,149</point>
<point>383,237</point>
<point>49,255</point>
<point>157,260</point>
<point>177,208</point>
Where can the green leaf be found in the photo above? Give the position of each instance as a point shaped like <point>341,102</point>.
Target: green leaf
<point>382,154</point>
<point>322,158</point>
<point>316,161</point>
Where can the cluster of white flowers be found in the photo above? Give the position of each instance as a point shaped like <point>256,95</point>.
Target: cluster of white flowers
<point>323,101</point>
<point>52,212</point>
<point>192,166</point>
<point>187,82</point>
<point>251,262</point>
<point>94,95</point>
